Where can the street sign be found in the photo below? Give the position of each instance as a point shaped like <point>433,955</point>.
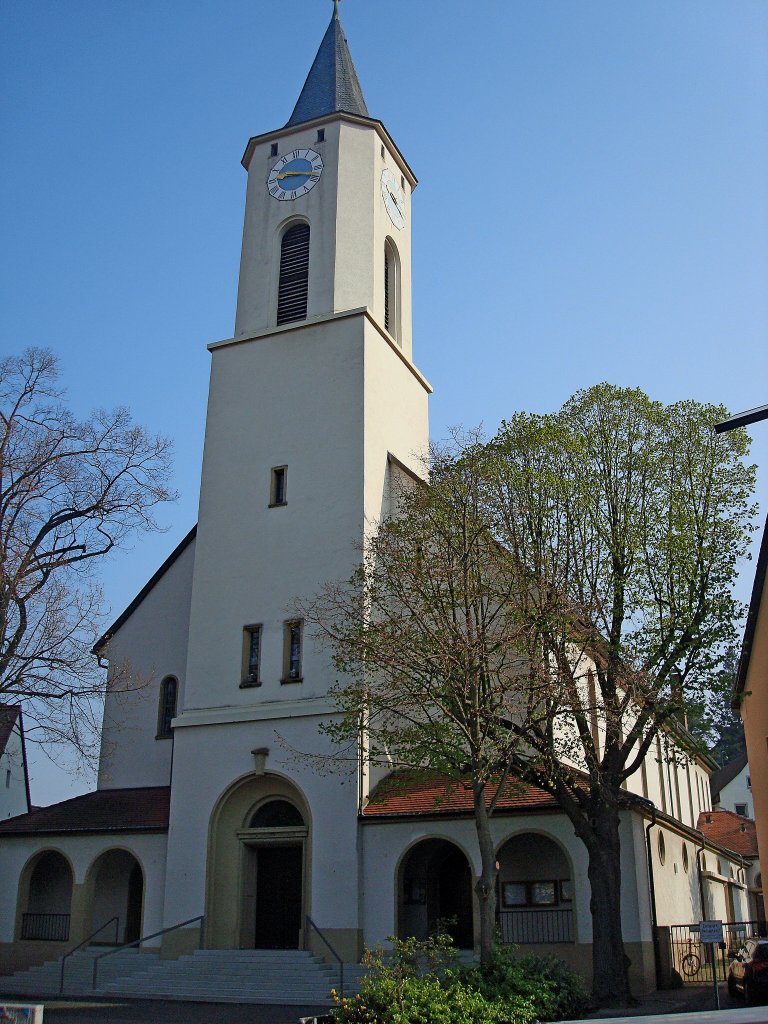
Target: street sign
<point>711,931</point>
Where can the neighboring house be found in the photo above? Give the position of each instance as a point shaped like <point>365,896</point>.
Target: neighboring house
<point>751,689</point>
<point>203,806</point>
<point>731,787</point>
<point>738,834</point>
<point>14,778</point>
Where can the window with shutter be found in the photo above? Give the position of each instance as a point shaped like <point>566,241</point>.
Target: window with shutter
<point>294,275</point>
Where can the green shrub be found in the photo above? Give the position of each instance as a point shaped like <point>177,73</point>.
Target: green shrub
<point>420,983</point>
<point>554,990</point>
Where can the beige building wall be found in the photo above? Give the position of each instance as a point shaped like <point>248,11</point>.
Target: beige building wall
<point>754,713</point>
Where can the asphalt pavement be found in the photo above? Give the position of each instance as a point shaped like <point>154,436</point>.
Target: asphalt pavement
<point>694,1002</point>
<point>152,1011</point>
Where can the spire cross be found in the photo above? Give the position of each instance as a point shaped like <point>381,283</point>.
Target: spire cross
<point>335,8</point>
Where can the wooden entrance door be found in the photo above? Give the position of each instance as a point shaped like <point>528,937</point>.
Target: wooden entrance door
<point>278,897</point>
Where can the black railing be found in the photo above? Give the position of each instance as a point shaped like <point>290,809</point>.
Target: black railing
<point>45,927</point>
<point>312,924</point>
<point>530,927</point>
<point>146,938</point>
<point>85,942</point>
<point>695,961</point>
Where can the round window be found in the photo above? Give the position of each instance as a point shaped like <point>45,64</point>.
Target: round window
<point>662,848</point>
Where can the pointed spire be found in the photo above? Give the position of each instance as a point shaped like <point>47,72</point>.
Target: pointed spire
<point>332,84</point>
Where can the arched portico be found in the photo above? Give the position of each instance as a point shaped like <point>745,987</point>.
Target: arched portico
<point>434,887</point>
<point>535,890</point>
<point>258,866</point>
<point>45,898</point>
<point>116,884</point>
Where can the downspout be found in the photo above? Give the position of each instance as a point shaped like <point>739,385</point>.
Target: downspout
<point>652,894</point>
<point>701,880</point>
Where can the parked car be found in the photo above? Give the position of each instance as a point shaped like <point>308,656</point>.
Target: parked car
<point>748,972</point>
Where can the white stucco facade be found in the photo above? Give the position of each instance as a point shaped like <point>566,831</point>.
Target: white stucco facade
<point>333,402</point>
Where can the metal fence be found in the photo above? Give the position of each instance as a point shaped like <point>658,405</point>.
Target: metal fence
<point>529,927</point>
<point>695,963</point>
<point>45,927</point>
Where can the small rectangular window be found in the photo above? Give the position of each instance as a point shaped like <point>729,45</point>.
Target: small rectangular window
<point>251,656</point>
<point>749,782</point>
<point>321,134</point>
<point>8,778</point>
<point>741,809</point>
<point>278,488</point>
<point>273,149</point>
<point>169,689</point>
<point>292,651</point>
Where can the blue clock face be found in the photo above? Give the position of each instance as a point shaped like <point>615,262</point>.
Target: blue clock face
<point>295,174</point>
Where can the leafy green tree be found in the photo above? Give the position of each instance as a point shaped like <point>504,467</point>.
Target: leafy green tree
<point>624,520</point>
<point>539,610</point>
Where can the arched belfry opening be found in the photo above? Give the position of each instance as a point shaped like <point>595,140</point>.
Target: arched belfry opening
<point>293,283</point>
<point>258,866</point>
<point>435,893</point>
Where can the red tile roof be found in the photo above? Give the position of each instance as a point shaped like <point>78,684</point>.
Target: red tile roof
<point>730,830</point>
<point>401,794</point>
<point>106,810</point>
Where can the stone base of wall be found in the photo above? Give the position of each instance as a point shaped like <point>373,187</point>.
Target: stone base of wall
<point>578,956</point>
<point>20,956</point>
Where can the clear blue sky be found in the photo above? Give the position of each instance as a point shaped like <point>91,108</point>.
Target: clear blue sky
<point>628,141</point>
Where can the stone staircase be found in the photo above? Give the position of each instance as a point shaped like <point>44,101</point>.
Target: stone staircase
<point>290,977</point>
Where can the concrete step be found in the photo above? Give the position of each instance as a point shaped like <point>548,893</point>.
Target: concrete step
<point>294,977</point>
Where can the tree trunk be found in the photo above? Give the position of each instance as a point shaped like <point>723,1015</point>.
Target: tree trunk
<point>610,981</point>
<point>485,887</point>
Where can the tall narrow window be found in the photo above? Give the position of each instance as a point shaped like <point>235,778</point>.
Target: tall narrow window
<point>293,288</point>
<point>167,709</point>
<point>278,493</point>
<point>391,290</point>
<point>251,656</point>
<point>292,651</point>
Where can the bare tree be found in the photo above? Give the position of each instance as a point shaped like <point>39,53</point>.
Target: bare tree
<point>70,491</point>
<point>537,612</point>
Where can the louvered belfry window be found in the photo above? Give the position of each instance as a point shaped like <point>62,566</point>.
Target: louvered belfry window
<point>294,275</point>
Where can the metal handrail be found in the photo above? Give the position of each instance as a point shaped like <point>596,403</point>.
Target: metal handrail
<point>85,942</point>
<point>146,938</point>
<point>341,962</point>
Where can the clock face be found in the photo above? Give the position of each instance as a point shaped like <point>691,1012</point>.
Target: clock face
<point>394,198</point>
<point>295,174</point>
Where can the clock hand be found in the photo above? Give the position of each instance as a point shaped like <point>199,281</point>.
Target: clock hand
<point>294,174</point>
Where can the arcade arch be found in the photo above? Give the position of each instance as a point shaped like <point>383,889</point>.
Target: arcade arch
<point>434,888</point>
<point>535,894</point>
<point>116,884</point>
<point>45,898</point>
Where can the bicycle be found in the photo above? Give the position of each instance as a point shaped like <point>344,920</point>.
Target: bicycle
<point>691,962</point>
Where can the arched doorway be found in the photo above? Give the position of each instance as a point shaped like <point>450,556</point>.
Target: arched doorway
<point>535,891</point>
<point>45,892</point>
<point>435,892</point>
<point>258,866</point>
<point>117,892</point>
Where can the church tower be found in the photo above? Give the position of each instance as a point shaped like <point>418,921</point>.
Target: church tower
<point>313,404</point>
